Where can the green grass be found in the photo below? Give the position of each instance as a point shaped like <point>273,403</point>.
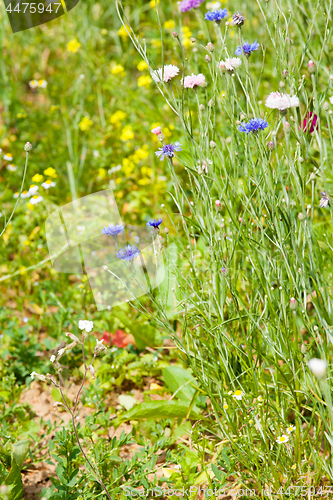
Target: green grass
<point>232,271</point>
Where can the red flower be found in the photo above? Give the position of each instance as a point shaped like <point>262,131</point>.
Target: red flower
<point>119,338</point>
<point>310,122</point>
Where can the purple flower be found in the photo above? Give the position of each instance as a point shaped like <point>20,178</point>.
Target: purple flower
<point>309,123</point>
<point>247,48</point>
<point>325,199</point>
<point>113,229</point>
<point>254,125</point>
<point>186,5</point>
<point>216,15</point>
<point>168,150</point>
<point>155,223</point>
<point>128,253</point>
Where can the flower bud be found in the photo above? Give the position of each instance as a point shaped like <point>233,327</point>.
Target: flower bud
<point>175,34</point>
<point>312,176</point>
<point>73,337</point>
<point>99,347</point>
<point>208,58</point>
<point>293,303</point>
<point>160,137</point>
<point>271,145</point>
<point>218,205</point>
<point>242,117</point>
<point>301,216</point>
<point>326,106</point>
<point>222,67</point>
<point>166,230</point>
<point>38,376</point>
<point>193,40</point>
<point>211,103</point>
<point>212,144</point>
<point>318,367</point>
<point>304,349</point>
<point>282,84</point>
<point>201,107</point>
<point>92,371</point>
<point>210,47</point>
<point>28,147</point>
<point>284,74</point>
<point>286,127</point>
<point>311,66</point>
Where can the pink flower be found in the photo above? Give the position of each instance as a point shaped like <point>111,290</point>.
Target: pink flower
<point>156,130</point>
<point>192,81</point>
<point>309,123</point>
<point>165,74</point>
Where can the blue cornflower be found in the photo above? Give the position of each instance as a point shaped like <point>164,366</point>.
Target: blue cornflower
<point>168,150</point>
<point>155,223</point>
<point>216,15</point>
<point>247,48</point>
<point>113,229</point>
<point>128,253</point>
<point>254,125</point>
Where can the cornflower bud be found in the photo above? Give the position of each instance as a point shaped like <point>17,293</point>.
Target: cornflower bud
<point>210,47</point>
<point>311,66</point>
<point>208,58</point>
<point>28,147</point>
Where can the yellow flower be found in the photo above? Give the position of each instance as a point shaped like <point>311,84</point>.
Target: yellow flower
<point>117,69</point>
<point>50,172</point>
<point>147,171</point>
<point>222,95</point>
<point>144,81</point>
<point>37,178</point>
<point>142,66</point>
<point>144,182</point>
<point>294,466</point>
<point>127,133</point>
<point>53,108</point>
<point>73,45</point>
<point>102,173</point>
<point>282,439</point>
<point>187,43</point>
<point>238,394</point>
<point>225,406</point>
<point>128,166</point>
<point>156,43</point>
<point>123,33</point>
<point>152,3</point>
<point>118,117</point>
<point>186,31</point>
<point>85,123</point>
<point>169,25</point>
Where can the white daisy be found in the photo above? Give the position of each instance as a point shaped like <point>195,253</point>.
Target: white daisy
<point>238,394</point>
<point>318,367</point>
<point>290,429</point>
<point>8,157</point>
<point>42,84</point>
<point>36,199</point>
<point>331,99</point>
<point>282,439</point>
<point>33,84</point>
<point>11,168</point>
<point>33,189</point>
<point>47,184</point>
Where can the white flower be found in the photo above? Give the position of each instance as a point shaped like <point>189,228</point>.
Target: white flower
<point>52,358</point>
<point>282,439</point>
<point>230,64</point>
<point>47,184</point>
<point>16,195</point>
<point>42,83</point>
<point>8,157</point>
<point>259,399</point>
<point>165,74</point>
<point>95,153</point>
<point>33,190</point>
<point>290,429</point>
<point>99,346</point>
<point>36,199</point>
<point>238,394</point>
<point>331,99</point>
<point>25,194</point>
<point>279,101</point>
<point>213,5</point>
<point>318,367</point>
<point>61,352</point>
<point>11,168</point>
<point>38,376</point>
<point>33,84</point>
<point>86,325</point>
<point>225,406</point>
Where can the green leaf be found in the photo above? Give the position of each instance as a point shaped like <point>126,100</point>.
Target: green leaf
<point>14,479</point>
<point>177,377</point>
<point>159,409</point>
<point>127,401</point>
<point>217,472</point>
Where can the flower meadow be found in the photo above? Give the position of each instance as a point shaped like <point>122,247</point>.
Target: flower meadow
<point>211,123</point>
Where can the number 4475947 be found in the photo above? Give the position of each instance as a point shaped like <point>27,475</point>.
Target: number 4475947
<point>33,7</point>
